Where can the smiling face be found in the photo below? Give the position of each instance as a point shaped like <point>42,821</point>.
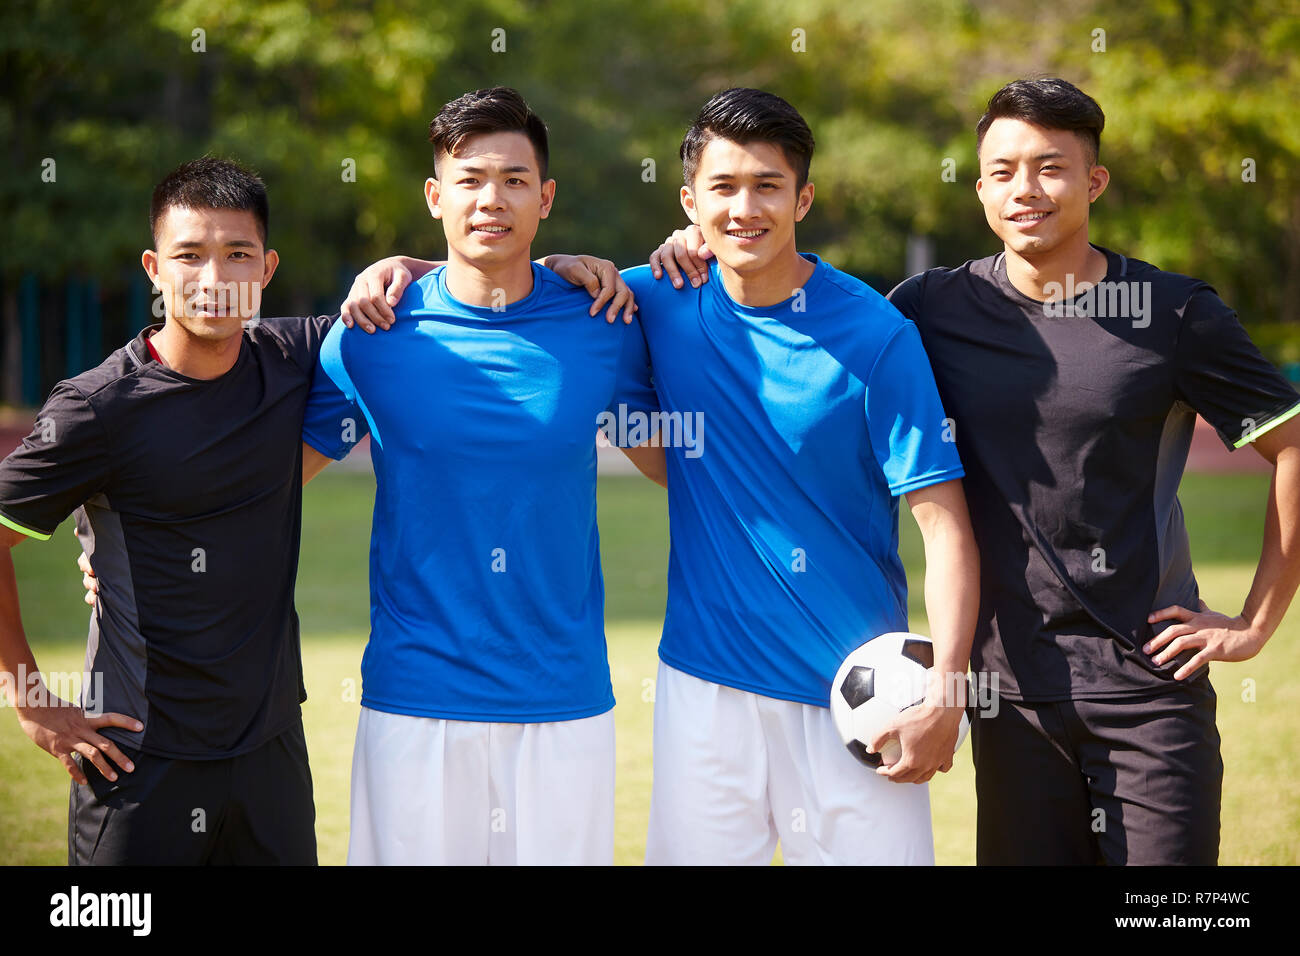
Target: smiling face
<point>210,266</point>
<point>1036,185</point>
<point>490,196</point>
<point>746,200</point>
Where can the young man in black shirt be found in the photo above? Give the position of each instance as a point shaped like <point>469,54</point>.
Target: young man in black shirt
<point>1073,376</point>
<point>184,447</point>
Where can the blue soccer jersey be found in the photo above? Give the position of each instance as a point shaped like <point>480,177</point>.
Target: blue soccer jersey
<point>816,413</point>
<point>486,598</point>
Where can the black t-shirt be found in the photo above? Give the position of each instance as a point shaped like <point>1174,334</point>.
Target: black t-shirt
<point>193,508</point>
<point>1073,420</point>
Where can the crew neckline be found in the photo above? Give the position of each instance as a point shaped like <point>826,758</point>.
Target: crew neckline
<point>142,352</point>
<point>782,307</point>
<point>1116,269</point>
<point>487,311</point>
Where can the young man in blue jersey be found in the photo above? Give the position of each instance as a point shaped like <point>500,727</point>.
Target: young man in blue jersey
<point>1074,376</point>
<point>485,733</point>
<point>821,411</point>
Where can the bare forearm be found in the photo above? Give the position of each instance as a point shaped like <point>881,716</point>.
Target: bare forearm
<point>650,460</point>
<point>15,653</point>
<point>313,462</point>
<point>1212,636</point>
<point>951,595</point>
<point>951,574</point>
<point>928,733</point>
<point>1278,574</point>
<point>419,267</point>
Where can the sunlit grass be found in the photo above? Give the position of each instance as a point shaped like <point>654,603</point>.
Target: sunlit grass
<point>1257,701</point>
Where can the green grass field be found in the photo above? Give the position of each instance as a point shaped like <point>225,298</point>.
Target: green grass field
<point>1258,703</point>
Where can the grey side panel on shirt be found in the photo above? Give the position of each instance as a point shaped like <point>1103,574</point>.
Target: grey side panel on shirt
<point>1177,582</point>
<point>123,664</point>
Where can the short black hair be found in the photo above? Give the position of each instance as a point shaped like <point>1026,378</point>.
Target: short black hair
<point>496,110</point>
<point>1051,104</point>
<point>748,116</point>
<point>211,183</point>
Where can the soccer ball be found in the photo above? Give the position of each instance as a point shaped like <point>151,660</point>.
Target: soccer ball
<point>882,677</point>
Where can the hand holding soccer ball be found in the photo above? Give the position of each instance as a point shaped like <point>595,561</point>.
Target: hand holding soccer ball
<point>881,688</point>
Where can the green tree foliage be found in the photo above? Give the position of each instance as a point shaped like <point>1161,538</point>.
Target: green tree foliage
<point>301,91</point>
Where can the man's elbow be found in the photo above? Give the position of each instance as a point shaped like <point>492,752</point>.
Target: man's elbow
<point>9,537</point>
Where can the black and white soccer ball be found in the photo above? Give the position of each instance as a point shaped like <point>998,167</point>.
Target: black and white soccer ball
<point>886,675</point>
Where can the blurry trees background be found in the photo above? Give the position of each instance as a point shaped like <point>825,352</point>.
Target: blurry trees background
<point>1202,137</point>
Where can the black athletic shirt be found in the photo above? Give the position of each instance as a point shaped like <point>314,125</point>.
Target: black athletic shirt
<point>1073,421</point>
<point>193,497</point>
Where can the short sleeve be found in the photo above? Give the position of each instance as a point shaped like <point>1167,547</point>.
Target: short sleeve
<point>64,462</point>
<point>334,421</point>
<point>1222,375</point>
<point>906,297</point>
<point>302,338</point>
<point>635,386</point>
<point>911,437</point>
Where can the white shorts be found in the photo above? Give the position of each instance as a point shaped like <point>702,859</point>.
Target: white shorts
<point>735,771</point>
<point>460,792</point>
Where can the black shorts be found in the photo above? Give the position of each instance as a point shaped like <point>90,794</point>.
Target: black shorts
<point>255,808</point>
<point>1133,781</point>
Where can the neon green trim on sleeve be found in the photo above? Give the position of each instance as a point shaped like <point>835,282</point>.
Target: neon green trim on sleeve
<point>21,530</point>
<point>1266,427</point>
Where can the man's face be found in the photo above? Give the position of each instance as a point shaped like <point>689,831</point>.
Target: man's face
<point>1036,185</point>
<point>210,266</point>
<point>490,197</point>
<point>746,201</point>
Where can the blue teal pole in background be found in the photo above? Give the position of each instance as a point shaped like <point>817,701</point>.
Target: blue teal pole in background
<point>73,332</point>
<point>137,305</point>
<point>29,321</point>
<point>94,322</point>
